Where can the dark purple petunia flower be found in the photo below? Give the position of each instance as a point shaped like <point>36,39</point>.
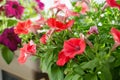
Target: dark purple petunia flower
<point>13,9</point>
<point>10,39</point>
<point>40,4</point>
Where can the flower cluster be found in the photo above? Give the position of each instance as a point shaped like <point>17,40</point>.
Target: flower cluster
<point>81,43</point>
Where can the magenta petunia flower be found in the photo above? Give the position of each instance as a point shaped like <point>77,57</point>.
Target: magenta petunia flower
<point>13,9</point>
<point>40,4</point>
<point>10,39</point>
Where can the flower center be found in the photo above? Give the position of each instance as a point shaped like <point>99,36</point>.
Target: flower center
<point>10,36</point>
<point>14,6</point>
<point>77,48</point>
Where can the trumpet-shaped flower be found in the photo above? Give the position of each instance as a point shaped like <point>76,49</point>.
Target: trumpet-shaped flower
<point>62,59</point>
<point>59,26</point>
<point>116,35</point>
<point>13,9</point>
<point>40,4</point>
<point>10,39</point>
<point>27,50</point>
<point>84,8</point>
<point>71,48</point>
<point>62,7</point>
<point>113,3</point>
<point>23,27</point>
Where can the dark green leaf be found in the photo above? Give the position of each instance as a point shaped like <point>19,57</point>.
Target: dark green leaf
<point>105,73</point>
<point>7,54</point>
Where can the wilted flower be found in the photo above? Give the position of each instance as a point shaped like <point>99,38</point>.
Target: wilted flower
<point>10,39</point>
<point>93,30</point>
<point>13,9</point>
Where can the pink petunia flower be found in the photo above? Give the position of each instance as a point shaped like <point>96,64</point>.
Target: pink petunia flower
<point>85,8</point>
<point>40,4</point>
<point>83,5</point>
<point>93,30</point>
<point>62,7</point>
<point>27,50</point>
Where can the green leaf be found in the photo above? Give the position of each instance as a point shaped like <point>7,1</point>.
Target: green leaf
<point>76,77</point>
<point>105,73</point>
<point>91,77</point>
<point>90,65</point>
<point>79,70</point>
<point>56,73</point>
<point>69,76</point>
<point>7,54</point>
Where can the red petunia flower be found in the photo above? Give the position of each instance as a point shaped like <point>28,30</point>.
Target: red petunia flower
<point>23,27</point>
<point>113,3</point>
<point>62,59</point>
<point>59,26</point>
<point>71,48</point>
<point>45,36</point>
<point>27,50</point>
<point>116,35</point>
<point>43,39</point>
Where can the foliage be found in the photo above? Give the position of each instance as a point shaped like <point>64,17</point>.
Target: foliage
<point>98,62</point>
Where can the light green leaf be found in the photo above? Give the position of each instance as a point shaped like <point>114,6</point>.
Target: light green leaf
<point>56,73</point>
<point>90,65</point>
<point>76,77</point>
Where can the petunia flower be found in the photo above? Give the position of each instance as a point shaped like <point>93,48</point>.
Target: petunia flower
<point>93,30</point>
<point>116,36</point>
<point>59,26</point>
<point>43,39</point>
<point>13,9</point>
<point>113,3</point>
<point>23,27</point>
<point>83,5</point>
<point>46,36</point>
<point>62,7</point>
<point>27,50</point>
<point>40,4</point>
<point>10,39</point>
<point>62,59</point>
<point>85,8</point>
<point>71,48</point>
